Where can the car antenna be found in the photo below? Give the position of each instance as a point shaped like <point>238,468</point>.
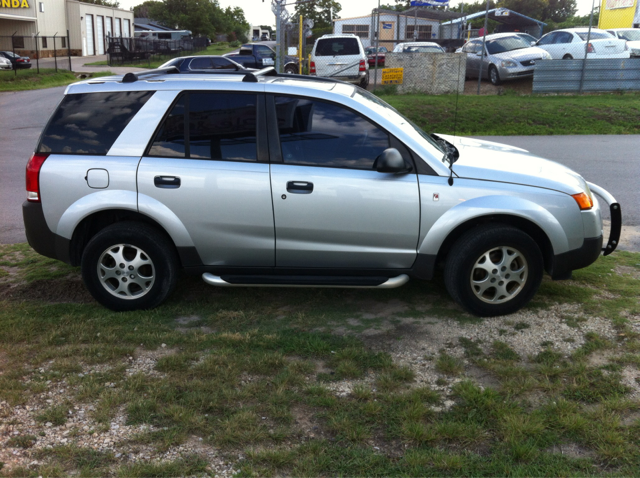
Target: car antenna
<point>455,122</point>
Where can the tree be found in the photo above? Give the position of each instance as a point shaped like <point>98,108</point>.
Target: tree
<point>147,9</point>
<point>321,12</point>
<point>106,3</point>
<point>559,10</point>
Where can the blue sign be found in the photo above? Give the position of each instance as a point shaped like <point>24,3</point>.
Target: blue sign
<point>387,26</point>
<point>429,3</point>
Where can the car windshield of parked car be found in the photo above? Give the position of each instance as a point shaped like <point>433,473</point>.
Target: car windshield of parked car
<point>594,35</point>
<point>630,35</point>
<point>337,46</point>
<point>501,45</point>
<point>372,101</point>
<point>11,54</point>
<point>422,49</point>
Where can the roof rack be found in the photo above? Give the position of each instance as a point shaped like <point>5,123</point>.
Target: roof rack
<point>133,77</point>
<point>248,76</point>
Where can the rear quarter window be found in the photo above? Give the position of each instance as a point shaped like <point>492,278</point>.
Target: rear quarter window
<point>89,123</point>
<point>337,46</point>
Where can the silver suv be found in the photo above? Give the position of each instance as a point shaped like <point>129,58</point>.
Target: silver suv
<point>259,179</point>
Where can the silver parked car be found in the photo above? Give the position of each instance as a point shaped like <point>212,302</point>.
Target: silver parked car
<point>5,64</point>
<point>631,36</point>
<point>507,56</point>
<point>418,47</point>
<point>259,179</point>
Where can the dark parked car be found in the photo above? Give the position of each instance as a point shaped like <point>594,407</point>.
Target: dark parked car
<point>254,55</point>
<point>203,64</point>
<point>371,55</point>
<point>17,61</point>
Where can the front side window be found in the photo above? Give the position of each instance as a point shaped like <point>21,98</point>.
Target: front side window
<point>547,39</point>
<point>89,123</point>
<point>316,133</point>
<point>220,126</point>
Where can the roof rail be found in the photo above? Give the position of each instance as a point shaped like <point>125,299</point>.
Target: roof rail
<point>252,77</point>
<point>133,77</point>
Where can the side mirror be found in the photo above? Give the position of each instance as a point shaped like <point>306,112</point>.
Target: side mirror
<point>391,161</point>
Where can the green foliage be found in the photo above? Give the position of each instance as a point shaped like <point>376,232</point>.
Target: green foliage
<point>106,3</point>
<point>201,17</point>
<point>47,78</point>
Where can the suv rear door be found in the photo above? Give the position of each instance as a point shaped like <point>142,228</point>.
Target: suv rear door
<point>339,56</point>
<point>208,165</point>
<point>332,209</point>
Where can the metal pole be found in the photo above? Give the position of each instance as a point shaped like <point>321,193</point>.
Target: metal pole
<point>484,42</point>
<point>376,32</point>
<point>586,47</point>
<point>13,49</point>
<point>37,54</point>
<point>55,53</point>
<point>69,51</point>
<point>300,45</point>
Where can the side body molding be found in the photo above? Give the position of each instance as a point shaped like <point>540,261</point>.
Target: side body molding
<point>166,218</point>
<point>92,203</point>
<point>489,206</point>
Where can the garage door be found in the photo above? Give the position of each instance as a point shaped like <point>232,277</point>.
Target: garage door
<point>90,40</point>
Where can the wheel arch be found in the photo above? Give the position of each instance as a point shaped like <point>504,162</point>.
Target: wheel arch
<point>90,225</point>
<point>524,224</point>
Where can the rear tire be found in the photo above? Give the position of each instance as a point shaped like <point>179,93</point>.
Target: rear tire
<point>130,266</point>
<point>291,70</point>
<point>493,270</point>
<point>567,57</point>
<point>365,82</point>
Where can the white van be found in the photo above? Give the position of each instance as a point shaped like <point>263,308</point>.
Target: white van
<point>342,57</point>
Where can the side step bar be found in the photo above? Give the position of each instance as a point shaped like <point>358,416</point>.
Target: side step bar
<point>306,281</point>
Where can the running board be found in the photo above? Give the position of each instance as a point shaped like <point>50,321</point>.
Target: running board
<point>306,281</point>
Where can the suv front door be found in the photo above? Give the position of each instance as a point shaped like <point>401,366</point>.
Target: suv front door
<point>332,209</point>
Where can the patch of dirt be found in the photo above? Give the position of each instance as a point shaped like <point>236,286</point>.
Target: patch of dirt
<point>629,236</point>
<point>522,86</point>
<point>571,450</point>
<point>631,379</point>
<point>627,270</point>
<point>50,291</point>
<point>144,361</point>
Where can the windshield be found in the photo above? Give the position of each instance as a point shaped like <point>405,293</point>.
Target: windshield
<point>594,35</point>
<point>500,45</point>
<point>422,49</point>
<point>375,103</point>
<point>630,35</point>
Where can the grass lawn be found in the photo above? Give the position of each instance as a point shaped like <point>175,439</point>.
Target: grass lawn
<point>214,49</point>
<point>523,115</point>
<point>318,382</point>
<point>48,78</point>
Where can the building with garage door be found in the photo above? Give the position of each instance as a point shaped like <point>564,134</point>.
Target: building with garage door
<point>88,26</point>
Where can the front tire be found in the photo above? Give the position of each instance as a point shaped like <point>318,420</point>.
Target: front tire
<point>130,266</point>
<point>493,270</point>
<point>494,76</point>
<point>291,70</point>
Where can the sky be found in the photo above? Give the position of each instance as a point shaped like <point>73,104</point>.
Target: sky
<point>258,12</point>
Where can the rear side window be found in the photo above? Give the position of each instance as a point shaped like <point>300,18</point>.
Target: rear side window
<point>220,126</point>
<point>337,46</point>
<point>90,123</point>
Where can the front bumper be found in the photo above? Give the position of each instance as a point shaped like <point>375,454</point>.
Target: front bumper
<point>515,72</point>
<point>591,248</point>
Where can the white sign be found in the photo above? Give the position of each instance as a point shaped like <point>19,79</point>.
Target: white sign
<point>502,12</point>
<point>613,4</point>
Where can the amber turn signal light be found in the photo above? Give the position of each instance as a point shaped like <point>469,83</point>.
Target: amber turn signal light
<point>584,201</point>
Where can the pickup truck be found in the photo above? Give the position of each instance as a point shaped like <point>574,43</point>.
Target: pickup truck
<point>253,55</point>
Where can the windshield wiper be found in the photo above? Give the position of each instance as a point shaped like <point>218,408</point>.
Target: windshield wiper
<point>451,154</point>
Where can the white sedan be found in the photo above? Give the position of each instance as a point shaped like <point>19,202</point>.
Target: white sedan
<point>5,64</point>
<point>571,43</point>
<point>631,36</point>
<point>418,47</point>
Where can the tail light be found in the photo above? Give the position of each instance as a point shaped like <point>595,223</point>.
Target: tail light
<point>19,60</point>
<point>312,68</point>
<point>590,48</point>
<point>33,176</point>
<point>363,65</point>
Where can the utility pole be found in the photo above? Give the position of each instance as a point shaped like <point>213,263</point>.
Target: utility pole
<point>484,42</point>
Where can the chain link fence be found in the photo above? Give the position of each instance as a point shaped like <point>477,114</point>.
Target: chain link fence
<point>36,52</point>
<point>134,50</point>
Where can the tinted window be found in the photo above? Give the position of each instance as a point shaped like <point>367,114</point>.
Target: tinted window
<point>222,64</point>
<point>200,64</point>
<point>564,37</point>
<point>315,133</point>
<point>90,123</point>
<point>594,35</point>
<point>169,141</point>
<point>547,39</point>
<point>506,44</point>
<point>223,126</point>
<point>337,46</point>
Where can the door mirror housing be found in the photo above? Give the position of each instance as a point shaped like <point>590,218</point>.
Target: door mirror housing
<point>391,161</point>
